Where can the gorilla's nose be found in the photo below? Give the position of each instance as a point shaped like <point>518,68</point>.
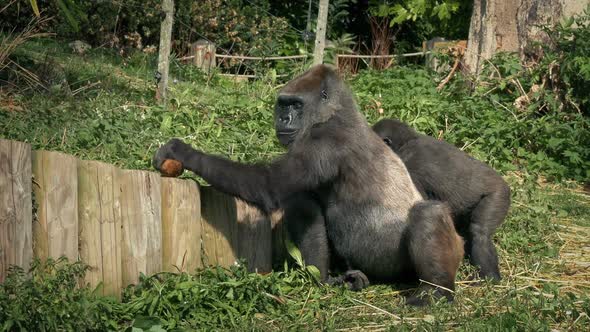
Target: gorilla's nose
<point>286,118</point>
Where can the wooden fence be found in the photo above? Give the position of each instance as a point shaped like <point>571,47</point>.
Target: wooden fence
<point>121,222</point>
<point>203,55</point>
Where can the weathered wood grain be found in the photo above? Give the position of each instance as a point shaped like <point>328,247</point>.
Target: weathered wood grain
<point>181,225</point>
<point>16,243</point>
<point>100,225</point>
<point>254,237</point>
<point>141,221</point>
<point>219,227</point>
<point>234,229</point>
<point>55,233</point>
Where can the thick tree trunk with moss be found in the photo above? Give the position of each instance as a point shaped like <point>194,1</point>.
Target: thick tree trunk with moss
<point>512,26</point>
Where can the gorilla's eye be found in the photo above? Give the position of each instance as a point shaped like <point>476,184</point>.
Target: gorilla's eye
<point>297,105</point>
<point>388,141</point>
<point>324,95</point>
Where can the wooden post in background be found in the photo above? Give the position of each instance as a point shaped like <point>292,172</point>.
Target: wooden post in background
<point>16,242</point>
<point>320,35</point>
<point>141,220</point>
<point>203,53</point>
<point>164,53</point>
<point>99,216</point>
<point>55,233</point>
<point>181,225</point>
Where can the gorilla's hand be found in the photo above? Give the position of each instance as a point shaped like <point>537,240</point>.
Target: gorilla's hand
<point>174,149</point>
<point>354,280</point>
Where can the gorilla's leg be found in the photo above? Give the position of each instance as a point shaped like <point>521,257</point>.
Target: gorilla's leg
<point>435,249</point>
<point>485,218</point>
<point>306,227</point>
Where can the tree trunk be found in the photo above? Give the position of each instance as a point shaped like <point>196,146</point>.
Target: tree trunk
<point>512,26</point>
<point>320,35</point>
<point>165,41</point>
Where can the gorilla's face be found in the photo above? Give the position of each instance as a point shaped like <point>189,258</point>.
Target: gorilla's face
<point>382,128</point>
<point>288,118</point>
<point>388,141</point>
<point>307,101</point>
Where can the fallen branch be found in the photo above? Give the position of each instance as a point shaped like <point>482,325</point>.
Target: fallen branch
<point>450,75</point>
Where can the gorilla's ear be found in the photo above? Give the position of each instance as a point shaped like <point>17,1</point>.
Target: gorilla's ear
<point>329,81</point>
<point>324,90</point>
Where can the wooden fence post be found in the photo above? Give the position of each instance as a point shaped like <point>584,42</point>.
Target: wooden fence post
<point>219,227</point>
<point>278,234</point>
<point>204,55</point>
<point>164,53</point>
<point>233,229</point>
<point>181,225</point>
<point>254,237</point>
<point>56,192</point>
<point>141,221</point>
<point>99,216</point>
<point>16,243</point>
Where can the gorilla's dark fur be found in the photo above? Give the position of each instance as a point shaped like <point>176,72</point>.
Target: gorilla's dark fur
<point>478,196</point>
<point>375,218</point>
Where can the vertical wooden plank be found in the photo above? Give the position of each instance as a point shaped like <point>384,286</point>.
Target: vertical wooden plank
<point>16,243</point>
<point>204,55</point>
<point>235,229</point>
<point>219,227</point>
<point>279,250</point>
<point>100,227</point>
<point>112,233</point>
<point>181,225</point>
<point>141,221</point>
<point>89,221</point>
<point>254,237</point>
<point>55,233</point>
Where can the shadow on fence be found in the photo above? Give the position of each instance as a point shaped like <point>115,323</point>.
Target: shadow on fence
<point>123,222</point>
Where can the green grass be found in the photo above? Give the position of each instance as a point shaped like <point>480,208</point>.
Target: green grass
<point>544,244</point>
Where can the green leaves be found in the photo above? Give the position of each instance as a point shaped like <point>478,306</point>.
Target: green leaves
<point>147,324</point>
<point>50,299</point>
<point>412,10</point>
<point>35,8</point>
<point>486,124</point>
<point>294,252</point>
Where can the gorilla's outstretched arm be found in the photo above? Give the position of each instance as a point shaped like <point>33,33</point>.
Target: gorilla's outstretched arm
<point>262,185</point>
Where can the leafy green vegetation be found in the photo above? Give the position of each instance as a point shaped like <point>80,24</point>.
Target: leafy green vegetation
<point>115,100</point>
<point>485,124</point>
<point>49,299</point>
<point>545,286</point>
<point>109,114</point>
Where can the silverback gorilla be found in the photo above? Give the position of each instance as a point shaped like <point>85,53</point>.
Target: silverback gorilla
<point>477,195</point>
<point>375,218</point>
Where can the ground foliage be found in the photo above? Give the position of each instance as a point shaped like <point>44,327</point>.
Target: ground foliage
<point>108,113</point>
<point>545,287</point>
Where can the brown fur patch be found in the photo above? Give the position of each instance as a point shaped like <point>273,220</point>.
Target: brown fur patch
<point>309,81</point>
<point>452,251</point>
